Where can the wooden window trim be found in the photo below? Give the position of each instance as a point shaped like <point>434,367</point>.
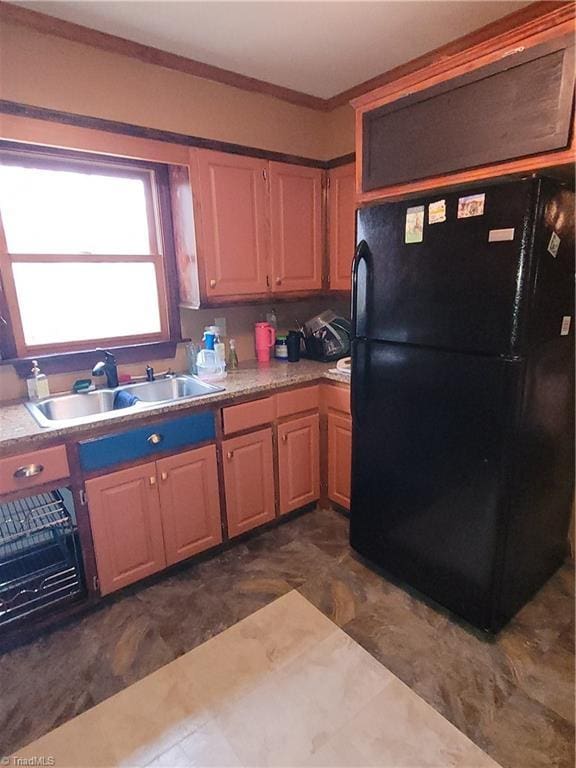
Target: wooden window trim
<point>68,356</point>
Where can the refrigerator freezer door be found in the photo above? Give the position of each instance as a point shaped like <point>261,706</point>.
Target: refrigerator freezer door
<point>461,288</point>
<point>429,464</point>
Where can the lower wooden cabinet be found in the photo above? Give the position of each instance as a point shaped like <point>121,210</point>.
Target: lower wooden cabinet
<point>249,480</point>
<point>153,515</point>
<point>189,503</point>
<point>339,458</point>
<point>299,462</point>
<point>126,526</point>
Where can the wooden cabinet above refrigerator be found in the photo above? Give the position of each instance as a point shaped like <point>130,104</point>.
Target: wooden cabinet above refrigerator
<point>500,107</point>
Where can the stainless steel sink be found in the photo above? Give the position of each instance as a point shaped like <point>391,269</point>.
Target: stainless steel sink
<point>172,388</point>
<point>75,408</point>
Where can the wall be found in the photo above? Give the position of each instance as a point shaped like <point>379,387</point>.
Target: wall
<point>46,71</point>
<point>240,326</point>
<point>50,72</point>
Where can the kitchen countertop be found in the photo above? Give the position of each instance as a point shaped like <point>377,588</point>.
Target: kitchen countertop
<point>20,431</point>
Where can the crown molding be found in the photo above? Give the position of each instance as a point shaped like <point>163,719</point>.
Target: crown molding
<point>536,16</point>
<point>77,33</point>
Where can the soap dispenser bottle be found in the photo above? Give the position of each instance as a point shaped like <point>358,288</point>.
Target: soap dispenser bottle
<point>37,383</point>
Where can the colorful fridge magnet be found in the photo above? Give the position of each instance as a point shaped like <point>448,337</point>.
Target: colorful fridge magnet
<point>414,232</point>
<point>437,212</point>
<point>471,205</point>
<point>553,244</point>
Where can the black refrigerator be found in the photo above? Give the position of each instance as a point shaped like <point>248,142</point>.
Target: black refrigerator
<point>463,393</point>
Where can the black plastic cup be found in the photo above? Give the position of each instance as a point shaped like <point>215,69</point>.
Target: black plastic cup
<point>293,344</point>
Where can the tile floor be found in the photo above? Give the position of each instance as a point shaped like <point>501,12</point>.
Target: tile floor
<point>513,696</point>
<point>283,687</point>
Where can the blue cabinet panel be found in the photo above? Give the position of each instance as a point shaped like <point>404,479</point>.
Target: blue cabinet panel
<point>146,442</point>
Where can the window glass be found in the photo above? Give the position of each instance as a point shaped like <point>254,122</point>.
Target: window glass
<point>73,212</point>
<point>63,302</point>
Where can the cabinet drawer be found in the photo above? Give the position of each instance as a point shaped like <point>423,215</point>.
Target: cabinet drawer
<point>40,466</point>
<point>248,415</point>
<point>297,401</point>
<point>146,441</point>
<point>336,398</point>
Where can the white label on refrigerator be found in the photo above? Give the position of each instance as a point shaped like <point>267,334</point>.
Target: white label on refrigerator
<point>553,244</point>
<point>565,328</point>
<point>499,235</point>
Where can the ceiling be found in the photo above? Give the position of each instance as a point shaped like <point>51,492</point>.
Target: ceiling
<point>318,48</point>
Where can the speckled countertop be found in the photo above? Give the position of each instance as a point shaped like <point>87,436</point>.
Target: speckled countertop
<point>19,430</point>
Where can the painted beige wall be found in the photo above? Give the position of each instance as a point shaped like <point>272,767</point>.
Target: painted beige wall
<point>46,71</point>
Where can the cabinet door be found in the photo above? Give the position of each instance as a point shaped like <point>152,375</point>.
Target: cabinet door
<point>233,228</point>
<point>341,225</point>
<point>249,481</point>
<point>299,462</point>
<point>126,527</point>
<point>296,221</point>
<point>517,106</point>
<point>189,503</point>
<point>339,458</point>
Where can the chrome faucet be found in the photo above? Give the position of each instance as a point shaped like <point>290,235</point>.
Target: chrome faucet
<point>108,368</point>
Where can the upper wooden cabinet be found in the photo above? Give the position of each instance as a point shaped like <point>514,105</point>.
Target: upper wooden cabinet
<point>341,225</point>
<point>504,106</point>
<point>232,199</point>
<point>296,227</point>
<point>255,228</point>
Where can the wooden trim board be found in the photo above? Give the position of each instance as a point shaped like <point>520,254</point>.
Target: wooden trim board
<point>78,33</point>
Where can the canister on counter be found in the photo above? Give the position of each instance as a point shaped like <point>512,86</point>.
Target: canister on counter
<point>281,348</point>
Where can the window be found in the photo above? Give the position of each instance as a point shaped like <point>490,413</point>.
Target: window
<point>81,252</point>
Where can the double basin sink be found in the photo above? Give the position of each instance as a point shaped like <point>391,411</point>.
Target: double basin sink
<point>75,408</point>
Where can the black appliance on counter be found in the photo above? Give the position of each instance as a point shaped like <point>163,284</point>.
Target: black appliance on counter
<point>326,337</point>
<point>463,393</point>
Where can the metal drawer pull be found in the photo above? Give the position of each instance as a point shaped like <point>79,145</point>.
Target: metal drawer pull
<point>155,438</point>
<point>152,480</point>
<point>164,475</point>
<point>230,455</point>
<point>30,470</point>
<point>284,438</point>
<point>278,281</point>
<point>212,283</point>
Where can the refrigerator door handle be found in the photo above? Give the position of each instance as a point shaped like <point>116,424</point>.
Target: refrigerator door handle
<point>361,272</point>
<point>358,380</point>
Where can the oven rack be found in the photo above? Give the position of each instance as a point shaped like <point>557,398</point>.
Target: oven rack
<point>32,521</point>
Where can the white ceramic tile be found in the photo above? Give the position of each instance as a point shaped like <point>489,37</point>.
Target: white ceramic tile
<point>398,729</point>
<point>209,748</point>
<point>283,688</point>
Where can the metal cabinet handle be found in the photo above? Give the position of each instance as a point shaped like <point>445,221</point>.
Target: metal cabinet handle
<point>152,480</point>
<point>164,475</point>
<point>155,438</point>
<point>212,283</point>
<point>230,455</point>
<point>278,281</point>
<point>284,438</point>
<point>30,470</point>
